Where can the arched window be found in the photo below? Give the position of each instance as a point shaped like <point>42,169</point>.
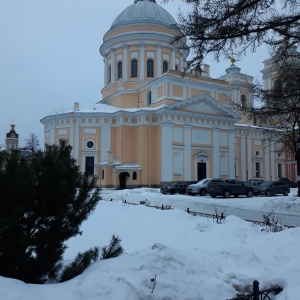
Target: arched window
<point>134,68</point>
<point>150,68</point>
<point>119,70</point>
<point>109,74</point>
<point>165,66</point>
<point>149,98</point>
<point>244,101</point>
<point>134,176</point>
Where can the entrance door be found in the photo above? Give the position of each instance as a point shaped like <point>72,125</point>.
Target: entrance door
<point>201,170</point>
<point>122,178</point>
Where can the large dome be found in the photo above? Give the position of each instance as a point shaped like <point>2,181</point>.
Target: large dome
<point>144,11</point>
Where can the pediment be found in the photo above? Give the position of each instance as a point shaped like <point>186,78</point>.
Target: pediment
<point>205,105</point>
<point>202,155</point>
<point>200,107</point>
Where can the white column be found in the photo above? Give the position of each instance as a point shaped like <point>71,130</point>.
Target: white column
<point>52,135</point>
<point>105,141</point>
<point>166,150</point>
<point>74,135</point>
<point>158,62</point>
<point>181,62</point>
<point>173,59</point>
<point>105,69</point>
<point>242,158</point>
<point>187,152</point>
<point>125,62</point>
<point>216,153</point>
<point>272,160</point>
<point>112,64</point>
<point>142,61</point>
<point>249,158</point>
<point>269,83</point>
<point>231,154</point>
<point>267,161</point>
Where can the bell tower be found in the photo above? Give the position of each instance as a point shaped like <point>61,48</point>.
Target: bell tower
<point>242,87</point>
<point>12,139</point>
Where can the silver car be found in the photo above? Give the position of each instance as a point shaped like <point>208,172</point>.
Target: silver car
<point>199,188</point>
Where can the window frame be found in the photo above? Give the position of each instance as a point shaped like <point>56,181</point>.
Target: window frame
<point>150,67</point>
<point>134,68</point>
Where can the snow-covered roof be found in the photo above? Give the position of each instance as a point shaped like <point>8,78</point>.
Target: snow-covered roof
<point>132,166</point>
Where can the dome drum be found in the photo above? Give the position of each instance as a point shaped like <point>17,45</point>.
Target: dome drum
<point>139,48</point>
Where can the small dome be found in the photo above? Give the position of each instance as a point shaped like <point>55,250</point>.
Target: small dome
<point>144,11</point>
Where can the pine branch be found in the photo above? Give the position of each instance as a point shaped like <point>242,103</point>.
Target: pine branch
<point>114,248</point>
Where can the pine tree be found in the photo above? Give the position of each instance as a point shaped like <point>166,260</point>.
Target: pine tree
<point>44,201</point>
<point>80,263</point>
<point>85,259</point>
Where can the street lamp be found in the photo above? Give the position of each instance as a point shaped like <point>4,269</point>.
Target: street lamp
<point>298,163</point>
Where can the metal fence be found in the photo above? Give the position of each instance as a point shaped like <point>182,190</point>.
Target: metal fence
<point>268,224</point>
<point>257,294</point>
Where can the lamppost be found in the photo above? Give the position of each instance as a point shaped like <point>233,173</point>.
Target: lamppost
<point>297,156</point>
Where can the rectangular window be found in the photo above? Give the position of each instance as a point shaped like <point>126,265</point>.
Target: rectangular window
<point>150,54</point>
<point>89,165</point>
<point>166,56</point>
<point>133,54</point>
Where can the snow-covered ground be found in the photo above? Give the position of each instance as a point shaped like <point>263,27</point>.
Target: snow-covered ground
<point>190,257</point>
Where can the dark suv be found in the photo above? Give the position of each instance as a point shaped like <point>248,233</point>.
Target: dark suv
<point>229,187</point>
<point>176,187</point>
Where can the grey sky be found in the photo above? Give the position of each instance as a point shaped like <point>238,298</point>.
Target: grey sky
<point>49,58</point>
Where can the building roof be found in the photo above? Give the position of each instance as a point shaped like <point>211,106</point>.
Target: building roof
<point>144,11</point>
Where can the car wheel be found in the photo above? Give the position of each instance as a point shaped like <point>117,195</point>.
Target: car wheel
<point>203,192</point>
<point>268,193</point>
<point>249,193</point>
<point>286,192</point>
<point>172,192</point>
<point>226,194</point>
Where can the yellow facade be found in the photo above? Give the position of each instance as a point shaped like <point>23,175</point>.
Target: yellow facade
<point>158,122</point>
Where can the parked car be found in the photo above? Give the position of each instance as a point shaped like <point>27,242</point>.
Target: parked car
<point>176,187</point>
<point>269,188</point>
<point>255,184</point>
<point>229,187</point>
<point>200,188</point>
<point>183,186</point>
<point>291,183</point>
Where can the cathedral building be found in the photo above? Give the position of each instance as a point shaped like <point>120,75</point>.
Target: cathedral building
<point>156,121</point>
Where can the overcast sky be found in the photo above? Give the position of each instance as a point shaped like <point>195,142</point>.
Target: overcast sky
<point>49,58</point>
